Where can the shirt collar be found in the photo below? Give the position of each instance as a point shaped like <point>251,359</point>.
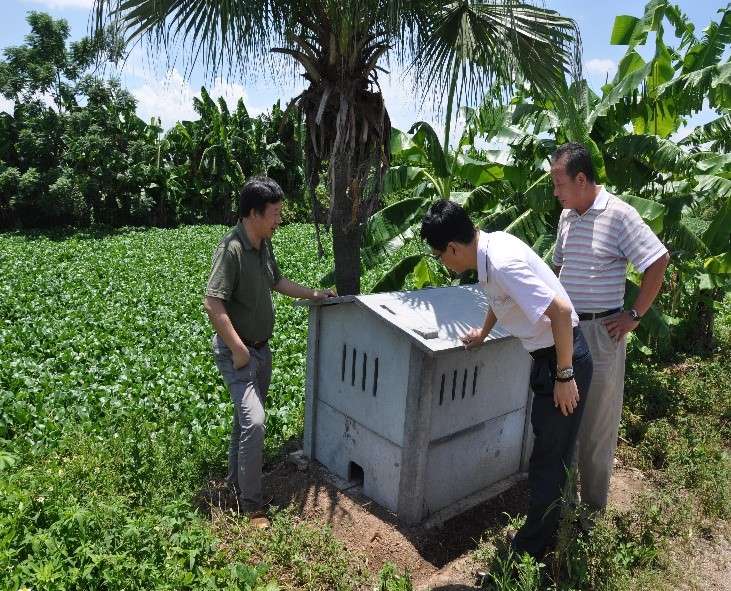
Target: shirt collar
<point>601,200</point>
<point>241,231</point>
<point>482,241</point>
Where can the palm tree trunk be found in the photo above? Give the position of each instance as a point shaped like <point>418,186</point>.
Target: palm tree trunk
<point>346,230</point>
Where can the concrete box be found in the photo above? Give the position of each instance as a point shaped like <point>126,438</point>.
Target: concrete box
<point>395,402</point>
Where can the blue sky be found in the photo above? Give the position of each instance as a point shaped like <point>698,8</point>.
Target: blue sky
<point>163,91</point>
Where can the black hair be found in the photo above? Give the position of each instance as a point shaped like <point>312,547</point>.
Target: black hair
<point>577,159</point>
<point>445,222</point>
<point>256,193</point>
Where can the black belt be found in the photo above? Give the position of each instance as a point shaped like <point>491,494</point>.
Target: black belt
<point>256,344</point>
<point>595,315</point>
<point>548,351</point>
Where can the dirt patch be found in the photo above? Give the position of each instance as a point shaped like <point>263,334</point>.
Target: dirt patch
<point>375,532</point>
<point>440,554</point>
<point>625,486</point>
<point>705,561</point>
<point>438,558</point>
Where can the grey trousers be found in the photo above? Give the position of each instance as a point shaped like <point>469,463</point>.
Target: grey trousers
<point>248,389</point>
<point>597,439</point>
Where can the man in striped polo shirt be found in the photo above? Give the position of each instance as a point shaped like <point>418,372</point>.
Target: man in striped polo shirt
<point>597,235</point>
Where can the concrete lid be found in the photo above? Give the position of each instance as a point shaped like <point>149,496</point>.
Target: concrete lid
<point>433,318</point>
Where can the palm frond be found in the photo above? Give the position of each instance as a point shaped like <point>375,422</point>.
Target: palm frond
<point>220,33</point>
<point>487,44</point>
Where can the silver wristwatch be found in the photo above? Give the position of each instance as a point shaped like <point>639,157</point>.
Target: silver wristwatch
<point>635,315</point>
<point>564,374</point>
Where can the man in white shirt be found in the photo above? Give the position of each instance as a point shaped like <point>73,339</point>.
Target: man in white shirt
<point>597,235</point>
<point>529,302</point>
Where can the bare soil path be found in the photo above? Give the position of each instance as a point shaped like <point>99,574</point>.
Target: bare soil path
<point>439,558</point>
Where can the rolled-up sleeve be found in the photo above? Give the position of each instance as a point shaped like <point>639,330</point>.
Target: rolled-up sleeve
<point>224,275</point>
<point>527,290</point>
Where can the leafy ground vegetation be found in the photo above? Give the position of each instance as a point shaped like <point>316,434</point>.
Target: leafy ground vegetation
<point>112,418</point>
<point>675,428</point>
<point>112,414</point>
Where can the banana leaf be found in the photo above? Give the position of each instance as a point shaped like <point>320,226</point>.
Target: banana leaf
<point>390,222</point>
<point>424,276</point>
<point>481,199</point>
<point>630,30</point>
<point>719,265</point>
<point>654,325</point>
<point>716,132</point>
<point>402,145</point>
<point>529,226</point>
<point>499,219</point>
<point>425,137</point>
<point>652,212</point>
<point>683,241</point>
<point>718,235</point>
<point>656,152</point>
<point>716,184</point>
<point>394,278</point>
<point>709,50</point>
<point>477,172</point>
<point>398,178</point>
<point>544,245</point>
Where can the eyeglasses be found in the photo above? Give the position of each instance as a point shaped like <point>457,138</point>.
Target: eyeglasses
<point>438,255</point>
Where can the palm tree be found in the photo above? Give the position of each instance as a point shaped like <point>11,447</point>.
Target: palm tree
<point>456,50</point>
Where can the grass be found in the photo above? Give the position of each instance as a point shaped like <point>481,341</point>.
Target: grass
<point>112,414</point>
<point>112,418</point>
<point>676,429</point>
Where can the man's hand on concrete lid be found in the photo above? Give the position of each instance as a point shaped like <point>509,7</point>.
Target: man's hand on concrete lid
<point>473,338</point>
<point>323,294</point>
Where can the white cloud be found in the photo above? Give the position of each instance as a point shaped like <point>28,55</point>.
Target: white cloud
<point>171,98</point>
<point>601,67</point>
<point>54,4</point>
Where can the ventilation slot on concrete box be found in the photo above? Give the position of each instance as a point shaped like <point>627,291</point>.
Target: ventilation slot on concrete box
<point>342,371</point>
<point>375,378</point>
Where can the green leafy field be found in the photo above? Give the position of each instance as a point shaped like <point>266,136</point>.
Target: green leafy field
<point>112,413</point>
<point>113,416</point>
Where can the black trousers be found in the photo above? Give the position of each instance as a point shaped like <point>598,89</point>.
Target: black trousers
<point>553,449</point>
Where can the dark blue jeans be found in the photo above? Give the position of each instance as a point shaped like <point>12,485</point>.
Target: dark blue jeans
<point>553,448</point>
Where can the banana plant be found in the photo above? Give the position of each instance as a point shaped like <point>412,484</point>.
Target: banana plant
<point>495,193</point>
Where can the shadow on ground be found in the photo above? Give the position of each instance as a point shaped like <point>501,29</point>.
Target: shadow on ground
<point>367,528</point>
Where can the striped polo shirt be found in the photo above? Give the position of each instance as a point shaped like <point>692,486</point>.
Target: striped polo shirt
<point>593,249</point>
